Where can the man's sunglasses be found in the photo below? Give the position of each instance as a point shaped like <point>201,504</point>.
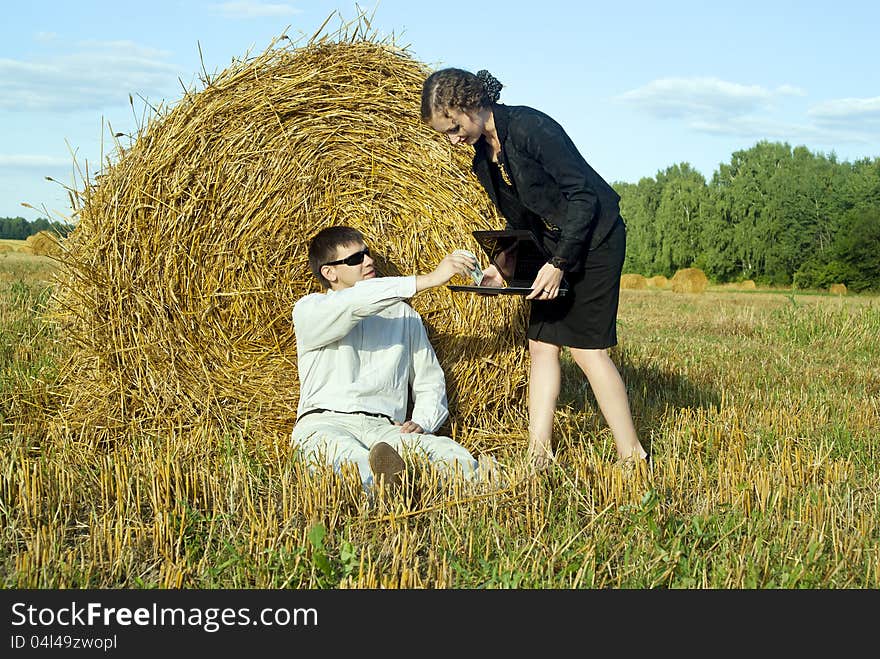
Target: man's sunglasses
<point>352,259</point>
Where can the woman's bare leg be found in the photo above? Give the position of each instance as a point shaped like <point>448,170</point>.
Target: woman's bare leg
<point>610,392</point>
<point>545,375</point>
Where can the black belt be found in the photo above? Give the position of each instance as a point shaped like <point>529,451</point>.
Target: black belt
<point>319,410</point>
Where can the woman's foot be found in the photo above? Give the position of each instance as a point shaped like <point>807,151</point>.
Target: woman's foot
<point>638,461</point>
<point>540,456</point>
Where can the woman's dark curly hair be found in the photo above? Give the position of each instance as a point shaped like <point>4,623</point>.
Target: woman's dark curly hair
<point>457,89</point>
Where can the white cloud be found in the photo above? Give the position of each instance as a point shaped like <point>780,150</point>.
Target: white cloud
<point>25,161</point>
<point>719,107</point>
<point>253,9</point>
<point>759,128</point>
<point>101,74</point>
<point>696,97</point>
<point>124,46</point>
<point>849,111</point>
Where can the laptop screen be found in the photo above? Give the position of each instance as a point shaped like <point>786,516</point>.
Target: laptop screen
<point>516,253</point>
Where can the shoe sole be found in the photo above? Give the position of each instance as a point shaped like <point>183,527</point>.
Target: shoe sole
<point>386,464</point>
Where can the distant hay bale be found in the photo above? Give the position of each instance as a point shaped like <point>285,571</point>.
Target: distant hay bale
<point>689,280</point>
<point>43,243</point>
<point>746,285</point>
<point>837,289</point>
<point>633,281</point>
<point>658,281</point>
<point>179,279</point>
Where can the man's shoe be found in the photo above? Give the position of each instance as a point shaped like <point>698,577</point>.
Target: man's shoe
<point>387,465</point>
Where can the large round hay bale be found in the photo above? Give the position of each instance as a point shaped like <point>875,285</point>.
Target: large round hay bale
<point>44,243</point>
<point>658,281</point>
<point>178,283</point>
<point>633,281</point>
<point>837,289</point>
<point>748,285</point>
<point>689,280</point>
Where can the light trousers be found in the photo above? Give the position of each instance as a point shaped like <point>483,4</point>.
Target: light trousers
<point>337,438</point>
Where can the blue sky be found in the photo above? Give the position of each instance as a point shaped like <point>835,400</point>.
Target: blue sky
<point>638,85</point>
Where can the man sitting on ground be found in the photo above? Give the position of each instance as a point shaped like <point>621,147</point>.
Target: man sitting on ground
<point>360,350</point>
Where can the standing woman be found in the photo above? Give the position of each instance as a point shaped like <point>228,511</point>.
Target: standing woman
<point>538,180</point>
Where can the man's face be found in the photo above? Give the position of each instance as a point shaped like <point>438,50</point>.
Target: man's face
<point>345,275</point>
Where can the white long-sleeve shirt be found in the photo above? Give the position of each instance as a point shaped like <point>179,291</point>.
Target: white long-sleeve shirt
<point>363,348</point>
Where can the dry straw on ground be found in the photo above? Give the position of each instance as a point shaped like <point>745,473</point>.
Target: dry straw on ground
<point>177,285</point>
<point>633,282</point>
<point>689,280</point>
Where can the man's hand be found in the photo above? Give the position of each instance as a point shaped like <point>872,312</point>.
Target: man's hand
<point>546,284</point>
<point>451,265</point>
<point>410,426</point>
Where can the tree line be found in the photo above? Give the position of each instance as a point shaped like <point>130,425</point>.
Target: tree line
<point>18,228</point>
<point>774,214</point>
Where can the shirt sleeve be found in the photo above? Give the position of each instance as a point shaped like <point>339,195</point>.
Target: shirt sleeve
<point>321,319</point>
<point>427,382</point>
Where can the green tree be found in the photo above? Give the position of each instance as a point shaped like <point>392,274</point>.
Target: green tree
<point>679,218</point>
<point>14,228</point>
<point>746,224</point>
<point>857,247</point>
<point>861,184</point>
<point>18,228</point>
<point>638,206</point>
<point>773,214</point>
<point>803,212</point>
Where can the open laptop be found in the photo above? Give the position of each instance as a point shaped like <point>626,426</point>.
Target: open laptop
<point>518,256</point>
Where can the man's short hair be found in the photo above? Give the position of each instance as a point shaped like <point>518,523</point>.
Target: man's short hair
<point>322,247</point>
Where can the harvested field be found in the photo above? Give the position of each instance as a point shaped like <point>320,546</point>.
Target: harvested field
<point>764,473</point>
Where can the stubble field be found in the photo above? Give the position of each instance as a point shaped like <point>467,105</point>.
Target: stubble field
<point>761,409</point>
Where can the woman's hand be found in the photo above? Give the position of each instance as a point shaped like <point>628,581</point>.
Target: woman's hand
<point>546,284</point>
<point>491,277</point>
